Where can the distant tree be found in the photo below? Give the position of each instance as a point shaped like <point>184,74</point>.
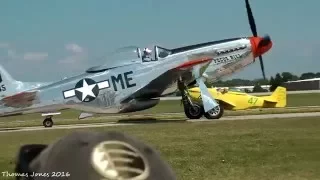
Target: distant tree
<point>258,88</point>
<point>271,80</point>
<point>287,76</point>
<point>294,78</point>
<point>277,81</point>
<point>317,75</point>
<point>308,75</point>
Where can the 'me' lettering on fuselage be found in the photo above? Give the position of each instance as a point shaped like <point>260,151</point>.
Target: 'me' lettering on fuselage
<point>124,79</point>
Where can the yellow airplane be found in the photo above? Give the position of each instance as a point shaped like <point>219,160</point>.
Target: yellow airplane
<point>233,100</point>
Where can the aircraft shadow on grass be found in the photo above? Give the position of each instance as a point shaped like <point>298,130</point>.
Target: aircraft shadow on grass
<point>150,120</point>
<point>124,120</point>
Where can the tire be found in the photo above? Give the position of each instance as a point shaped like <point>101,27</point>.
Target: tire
<point>47,122</point>
<point>194,114</point>
<point>215,113</point>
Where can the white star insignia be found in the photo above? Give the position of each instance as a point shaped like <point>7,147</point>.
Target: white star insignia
<point>86,90</point>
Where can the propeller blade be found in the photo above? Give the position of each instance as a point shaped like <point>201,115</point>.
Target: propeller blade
<point>251,19</point>
<point>262,67</point>
<point>266,39</point>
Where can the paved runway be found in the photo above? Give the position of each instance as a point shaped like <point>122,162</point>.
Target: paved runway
<point>245,117</point>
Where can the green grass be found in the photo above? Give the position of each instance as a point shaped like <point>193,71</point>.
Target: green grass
<point>70,116</point>
<point>249,149</point>
<point>37,121</point>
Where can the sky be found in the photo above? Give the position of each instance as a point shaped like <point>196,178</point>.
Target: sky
<point>48,40</point>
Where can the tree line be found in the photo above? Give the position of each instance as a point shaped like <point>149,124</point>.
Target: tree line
<point>277,80</point>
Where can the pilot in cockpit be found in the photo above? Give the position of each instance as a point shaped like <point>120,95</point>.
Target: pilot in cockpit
<point>146,54</point>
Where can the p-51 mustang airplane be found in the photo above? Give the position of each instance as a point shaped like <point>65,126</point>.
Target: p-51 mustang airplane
<point>232,100</point>
<point>132,80</point>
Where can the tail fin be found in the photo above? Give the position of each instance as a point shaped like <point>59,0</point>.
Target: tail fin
<point>280,94</point>
<point>5,77</point>
<point>8,85</point>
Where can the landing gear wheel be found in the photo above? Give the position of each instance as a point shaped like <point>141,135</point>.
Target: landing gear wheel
<point>215,113</point>
<point>194,112</point>
<point>47,122</point>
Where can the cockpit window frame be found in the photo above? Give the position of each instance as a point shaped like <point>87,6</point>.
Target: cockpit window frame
<point>139,52</point>
<point>157,55</point>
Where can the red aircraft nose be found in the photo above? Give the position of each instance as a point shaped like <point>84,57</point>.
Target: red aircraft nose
<point>260,45</point>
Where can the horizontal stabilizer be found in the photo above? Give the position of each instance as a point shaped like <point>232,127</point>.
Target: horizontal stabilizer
<point>270,99</point>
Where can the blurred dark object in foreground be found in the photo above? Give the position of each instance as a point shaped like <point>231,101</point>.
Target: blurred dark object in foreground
<point>92,156</point>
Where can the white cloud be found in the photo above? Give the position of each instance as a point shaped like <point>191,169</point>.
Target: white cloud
<point>74,48</point>
<point>35,56</point>
<point>78,54</point>
<point>75,58</point>
<point>12,54</point>
<point>4,45</point>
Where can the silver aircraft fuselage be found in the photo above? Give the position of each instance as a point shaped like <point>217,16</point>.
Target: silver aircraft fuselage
<point>133,83</point>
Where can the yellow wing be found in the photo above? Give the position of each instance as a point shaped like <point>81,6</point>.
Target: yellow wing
<point>195,94</point>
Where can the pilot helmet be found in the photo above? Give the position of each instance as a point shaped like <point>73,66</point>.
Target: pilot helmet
<point>147,50</point>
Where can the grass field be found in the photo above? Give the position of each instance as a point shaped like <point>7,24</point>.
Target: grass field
<point>173,106</point>
<point>67,118</point>
<point>251,149</point>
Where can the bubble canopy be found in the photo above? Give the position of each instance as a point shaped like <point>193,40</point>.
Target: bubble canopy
<point>125,53</point>
<point>119,57</point>
<point>128,55</point>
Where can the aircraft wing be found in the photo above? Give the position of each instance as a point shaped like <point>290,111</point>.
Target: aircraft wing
<point>23,99</point>
<point>227,101</point>
<point>218,97</point>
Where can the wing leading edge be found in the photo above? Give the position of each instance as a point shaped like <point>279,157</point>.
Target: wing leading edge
<point>217,95</point>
